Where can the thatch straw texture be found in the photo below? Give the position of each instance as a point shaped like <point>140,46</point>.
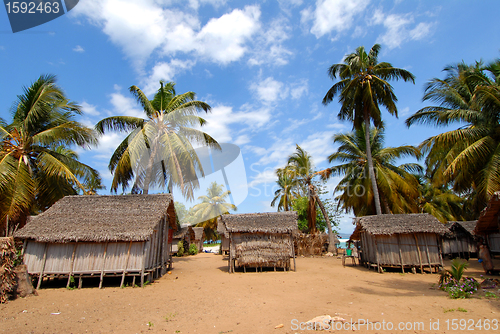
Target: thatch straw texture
<point>268,222</point>
<point>186,233</point>
<point>100,219</point>
<point>398,224</point>
<point>7,273</point>
<point>488,220</point>
<point>262,249</point>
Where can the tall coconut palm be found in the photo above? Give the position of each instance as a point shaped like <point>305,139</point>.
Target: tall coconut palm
<point>159,149</point>
<point>287,190</point>
<point>468,157</point>
<point>397,186</point>
<point>36,166</point>
<point>212,206</point>
<point>362,89</point>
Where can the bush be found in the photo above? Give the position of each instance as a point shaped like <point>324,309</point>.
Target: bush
<point>456,289</point>
<point>180,248</point>
<point>193,250</point>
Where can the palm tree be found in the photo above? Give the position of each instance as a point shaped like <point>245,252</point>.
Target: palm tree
<point>159,149</point>
<point>440,201</point>
<point>468,157</point>
<point>398,188</point>
<point>37,168</point>
<point>362,88</point>
<point>287,191</point>
<point>211,207</point>
<point>301,167</point>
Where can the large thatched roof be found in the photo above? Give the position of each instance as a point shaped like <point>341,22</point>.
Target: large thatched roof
<point>100,218</point>
<point>488,220</point>
<point>267,222</point>
<point>398,224</point>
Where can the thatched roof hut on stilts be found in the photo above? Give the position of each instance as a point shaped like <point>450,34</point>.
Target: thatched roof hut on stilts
<point>260,240</point>
<point>400,240</point>
<point>199,238</point>
<point>184,234</point>
<point>459,240</point>
<point>101,236</point>
<point>488,224</point>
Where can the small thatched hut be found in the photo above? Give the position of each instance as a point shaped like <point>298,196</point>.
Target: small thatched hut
<point>184,234</point>
<point>459,240</point>
<point>260,239</point>
<point>488,224</point>
<point>224,241</point>
<point>199,238</point>
<point>128,235</point>
<point>401,240</point>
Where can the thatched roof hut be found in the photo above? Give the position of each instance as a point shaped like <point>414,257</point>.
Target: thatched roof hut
<point>107,235</point>
<point>184,234</point>
<point>459,240</point>
<point>260,239</point>
<point>400,240</point>
<point>224,241</point>
<point>199,237</point>
<point>488,224</point>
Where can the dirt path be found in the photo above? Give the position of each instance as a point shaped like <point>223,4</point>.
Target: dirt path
<point>201,297</point>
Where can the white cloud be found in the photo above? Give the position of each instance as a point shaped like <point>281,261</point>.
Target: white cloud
<point>125,106</point>
<point>333,15</point>
<point>269,90</point>
<point>78,48</point>
<point>241,140</point>
<point>164,71</point>
<point>319,145</point>
<point>140,28</point>
<point>268,46</point>
<point>89,109</point>
<point>299,89</point>
<point>398,28</point>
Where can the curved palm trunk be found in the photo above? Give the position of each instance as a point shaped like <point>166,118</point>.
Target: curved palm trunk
<point>371,172</point>
<point>331,244</point>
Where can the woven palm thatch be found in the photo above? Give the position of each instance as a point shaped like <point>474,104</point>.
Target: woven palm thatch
<point>100,219</point>
<point>267,222</point>
<point>488,220</point>
<point>259,239</point>
<point>7,273</point>
<point>186,232</point>
<point>398,224</point>
<point>460,229</point>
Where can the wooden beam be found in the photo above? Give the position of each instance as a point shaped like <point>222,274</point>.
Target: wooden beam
<point>400,255</point>
<point>293,252</point>
<point>428,255</point>
<point>103,264</point>
<point>126,265</point>
<point>40,278</point>
<point>71,268</point>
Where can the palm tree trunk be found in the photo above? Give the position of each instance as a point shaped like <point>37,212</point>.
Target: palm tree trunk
<point>331,244</point>
<point>311,210</point>
<point>371,172</point>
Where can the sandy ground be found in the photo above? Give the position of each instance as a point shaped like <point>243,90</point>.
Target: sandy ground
<point>199,296</point>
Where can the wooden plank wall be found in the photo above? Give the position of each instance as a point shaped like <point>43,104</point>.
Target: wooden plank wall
<point>494,242</point>
<point>415,249</point>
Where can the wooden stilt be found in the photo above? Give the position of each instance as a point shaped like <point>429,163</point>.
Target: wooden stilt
<point>40,278</point>
<point>103,265</point>
<point>419,254</point>
<point>133,282</point>
<point>71,265</point>
<point>144,257</point>
<point>80,281</point>
<point>428,255</point>
<point>400,256</point>
<point>293,252</point>
<point>126,265</point>
<point>245,269</point>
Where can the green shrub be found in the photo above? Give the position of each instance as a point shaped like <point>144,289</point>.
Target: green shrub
<point>193,250</point>
<point>180,248</point>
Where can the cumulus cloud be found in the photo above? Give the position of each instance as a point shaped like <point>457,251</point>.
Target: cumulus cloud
<point>399,28</point>
<point>268,46</point>
<point>140,28</point>
<point>78,48</point>
<point>89,109</point>
<point>269,90</point>
<point>164,71</point>
<point>332,15</point>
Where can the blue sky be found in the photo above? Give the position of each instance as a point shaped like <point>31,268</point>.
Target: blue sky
<point>261,65</point>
